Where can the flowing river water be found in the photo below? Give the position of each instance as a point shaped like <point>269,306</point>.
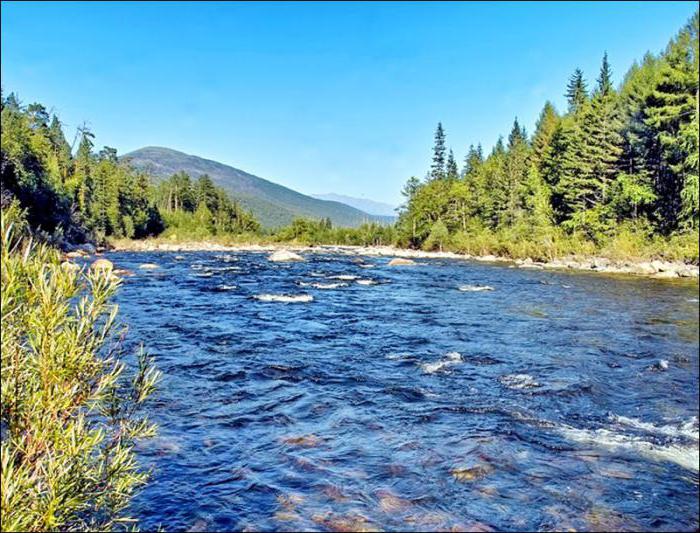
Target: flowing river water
<point>342,394</point>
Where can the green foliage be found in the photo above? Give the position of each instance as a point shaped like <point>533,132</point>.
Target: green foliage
<point>438,236</point>
<point>618,159</point>
<point>70,408</point>
<point>313,232</point>
<point>200,209</point>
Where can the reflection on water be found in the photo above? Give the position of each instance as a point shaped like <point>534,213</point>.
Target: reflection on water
<point>296,397</point>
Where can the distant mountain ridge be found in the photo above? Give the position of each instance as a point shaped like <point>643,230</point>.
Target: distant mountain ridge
<point>363,204</point>
<point>272,204</point>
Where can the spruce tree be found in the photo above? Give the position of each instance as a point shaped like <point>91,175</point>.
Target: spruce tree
<point>605,78</point>
<point>576,91</point>
<point>544,131</point>
<point>452,172</point>
<point>670,114</point>
<point>437,169</point>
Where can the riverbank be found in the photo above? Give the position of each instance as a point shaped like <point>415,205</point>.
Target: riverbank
<point>650,268</point>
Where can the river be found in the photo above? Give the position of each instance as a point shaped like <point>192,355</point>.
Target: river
<point>344,394</point>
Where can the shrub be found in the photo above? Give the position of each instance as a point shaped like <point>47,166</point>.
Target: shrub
<point>70,409</point>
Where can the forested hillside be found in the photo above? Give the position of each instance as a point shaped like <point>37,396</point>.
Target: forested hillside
<point>84,194</point>
<point>272,204</point>
<point>616,161</point>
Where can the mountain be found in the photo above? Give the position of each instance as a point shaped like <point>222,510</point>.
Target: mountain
<point>363,204</point>
<point>272,204</point>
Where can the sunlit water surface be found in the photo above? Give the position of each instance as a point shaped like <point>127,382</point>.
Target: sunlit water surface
<point>389,398</point>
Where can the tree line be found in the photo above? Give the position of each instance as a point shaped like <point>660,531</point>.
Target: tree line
<point>85,194</point>
<point>616,158</point>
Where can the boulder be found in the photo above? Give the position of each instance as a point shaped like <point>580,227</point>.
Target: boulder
<point>688,271</point>
<point>282,256</point>
<point>666,274</point>
<point>148,266</point>
<point>646,268</point>
<point>87,248</point>
<point>659,266</point>
<point>75,254</point>
<point>398,261</point>
<point>102,264</point>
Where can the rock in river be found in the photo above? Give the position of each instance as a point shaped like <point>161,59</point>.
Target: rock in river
<point>282,256</point>
<point>398,261</point>
<point>102,264</point>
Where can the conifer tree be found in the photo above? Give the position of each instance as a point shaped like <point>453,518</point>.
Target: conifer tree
<point>670,114</point>
<point>576,91</point>
<point>452,172</point>
<point>544,131</point>
<point>605,78</point>
<point>437,170</point>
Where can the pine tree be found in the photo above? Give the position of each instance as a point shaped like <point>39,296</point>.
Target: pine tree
<point>602,138</point>
<point>605,79</point>
<point>452,172</point>
<point>81,181</point>
<point>670,114</point>
<point>473,161</point>
<point>437,170</point>
<point>544,131</point>
<point>576,91</point>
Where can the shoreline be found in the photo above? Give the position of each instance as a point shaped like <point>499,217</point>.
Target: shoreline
<point>654,269</point>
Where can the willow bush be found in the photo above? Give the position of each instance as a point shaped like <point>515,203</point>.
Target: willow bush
<point>70,406</point>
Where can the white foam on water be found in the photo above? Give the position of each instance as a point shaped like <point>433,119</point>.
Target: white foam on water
<point>366,266</point>
<point>687,430</point>
<point>222,268</point>
<point>365,282</point>
<point>518,381</point>
<point>319,285</point>
<point>227,287</point>
<point>686,456</point>
<point>226,258</point>
<point>286,298</point>
<point>451,358</point>
<point>693,300</point>
<point>328,285</point>
<point>205,274</point>
<point>475,288</point>
<point>344,277</point>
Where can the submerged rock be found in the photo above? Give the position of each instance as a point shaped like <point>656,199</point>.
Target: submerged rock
<point>474,473</point>
<point>305,441</point>
<point>350,522</point>
<point>398,261</point>
<point>282,256</point>
<point>391,503</point>
<point>148,266</point>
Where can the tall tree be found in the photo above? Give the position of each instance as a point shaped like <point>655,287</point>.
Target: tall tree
<point>576,91</point>
<point>437,169</point>
<point>605,78</point>
<point>670,114</point>
<point>544,131</point>
<point>452,171</point>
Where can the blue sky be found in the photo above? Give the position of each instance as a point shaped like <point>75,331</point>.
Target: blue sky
<point>321,97</point>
